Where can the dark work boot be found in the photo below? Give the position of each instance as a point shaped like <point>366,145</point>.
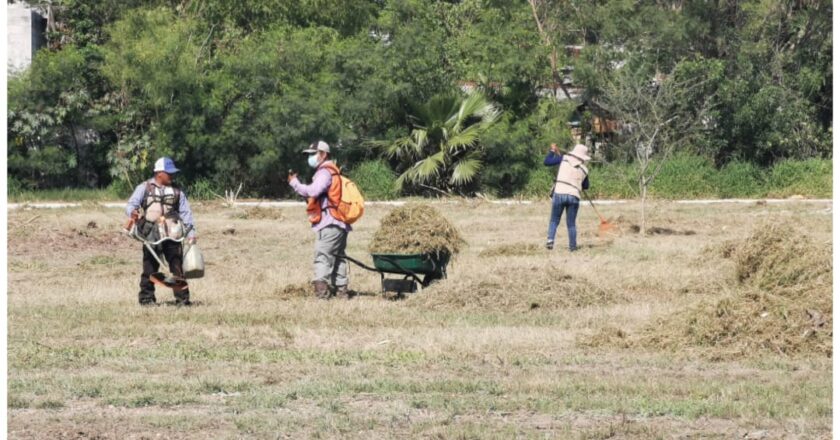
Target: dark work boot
<point>146,298</point>
<point>343,292</point>
<point>322,290</point>
<point>182,298</point>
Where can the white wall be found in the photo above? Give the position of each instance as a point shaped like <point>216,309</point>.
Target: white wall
<point>25,35</point>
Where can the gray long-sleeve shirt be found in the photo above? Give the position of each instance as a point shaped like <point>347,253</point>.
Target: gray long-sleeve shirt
<point>184,211</point>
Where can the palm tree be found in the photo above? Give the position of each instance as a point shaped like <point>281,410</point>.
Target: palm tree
<point>442,150</point>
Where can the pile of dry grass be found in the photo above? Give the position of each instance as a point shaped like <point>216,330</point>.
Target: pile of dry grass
<point>511,250</point>
<point>416,229</point>
<point>258,213</point>
<point>517,289</point>
<point>782,304</point>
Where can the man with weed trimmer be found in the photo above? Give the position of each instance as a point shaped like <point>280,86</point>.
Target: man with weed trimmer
<point>159,213</point>
<point>572,178</point>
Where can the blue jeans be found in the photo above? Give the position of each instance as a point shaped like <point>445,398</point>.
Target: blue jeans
<point>558,204</point>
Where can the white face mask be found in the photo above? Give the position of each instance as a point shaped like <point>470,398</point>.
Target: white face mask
<point>313,160</point>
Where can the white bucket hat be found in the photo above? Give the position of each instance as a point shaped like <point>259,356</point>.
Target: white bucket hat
<point>580,152</point>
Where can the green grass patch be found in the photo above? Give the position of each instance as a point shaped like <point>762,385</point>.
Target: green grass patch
<point>375,179</point>
<point>687,176</point>
<point>810,178</point>
<point>105,260</point>
<point>18,402</point>
<point>612,181</point>
<point>49,404</point>
<point>740,180</point>
<point>64,195</point>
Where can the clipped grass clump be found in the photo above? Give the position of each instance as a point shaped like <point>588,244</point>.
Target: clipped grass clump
<point>416,229</point>
<point>511,250</point>
<point>293,291</point>
<point>777,259</point>
<point>258,213</point>
<point>519,289</point>
<point>783,303</point>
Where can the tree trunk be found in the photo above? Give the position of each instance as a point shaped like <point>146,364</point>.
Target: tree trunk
<point>643,191</point>
<point>80,172</point>
<point>552,57</point>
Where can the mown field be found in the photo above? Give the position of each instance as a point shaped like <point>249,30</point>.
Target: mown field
<point>631,337</point>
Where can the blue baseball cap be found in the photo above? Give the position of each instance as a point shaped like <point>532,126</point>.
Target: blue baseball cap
<point>166,165</point>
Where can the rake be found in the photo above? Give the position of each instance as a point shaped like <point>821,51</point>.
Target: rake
<point>605,227</point>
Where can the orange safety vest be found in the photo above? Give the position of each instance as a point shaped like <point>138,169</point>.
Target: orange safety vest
<point>313,204</point>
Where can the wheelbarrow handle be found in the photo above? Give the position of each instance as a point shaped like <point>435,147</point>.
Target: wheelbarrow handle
<point>381,272</point>
<point>358,263</point>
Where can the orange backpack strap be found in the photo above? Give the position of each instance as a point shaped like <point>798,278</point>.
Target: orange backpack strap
<point>313,206</point>
<point>334,191</point>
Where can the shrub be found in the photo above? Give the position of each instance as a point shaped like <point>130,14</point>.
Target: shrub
<point>202,189</point>
<point>120,189</point>
<point>509,157</point>
<point>810,177</point>
<point>375,179</point>
<point>685,176</point>
<point>740,179</point>
<point>612,181</point>
<point>15,187</point>
<point>539,184</point>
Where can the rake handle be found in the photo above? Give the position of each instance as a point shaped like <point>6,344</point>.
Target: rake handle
<point>593,206</point>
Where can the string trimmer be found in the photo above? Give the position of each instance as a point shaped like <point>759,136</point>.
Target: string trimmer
<point>163,277</point>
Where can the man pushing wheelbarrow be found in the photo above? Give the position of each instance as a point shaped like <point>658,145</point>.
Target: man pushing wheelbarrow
<point>333,204</point>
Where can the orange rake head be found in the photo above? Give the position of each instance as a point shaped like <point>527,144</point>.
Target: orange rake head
<point>606,228</point>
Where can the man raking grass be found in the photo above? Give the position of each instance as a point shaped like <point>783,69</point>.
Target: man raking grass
<point>572,178</point>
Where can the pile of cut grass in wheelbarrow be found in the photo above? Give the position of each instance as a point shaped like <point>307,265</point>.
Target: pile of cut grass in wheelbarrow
<point>416,229</point>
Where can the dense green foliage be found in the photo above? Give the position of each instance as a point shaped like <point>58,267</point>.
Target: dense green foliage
<point>234,90</point>
<point>376,180</point>
<point>688,176</point>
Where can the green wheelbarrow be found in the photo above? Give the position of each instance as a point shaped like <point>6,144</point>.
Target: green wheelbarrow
<point>414,270</point>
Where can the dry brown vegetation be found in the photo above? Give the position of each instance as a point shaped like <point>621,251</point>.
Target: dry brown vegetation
<point>416,228</point>
<point>782,303</point>
<point>658,337</point>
